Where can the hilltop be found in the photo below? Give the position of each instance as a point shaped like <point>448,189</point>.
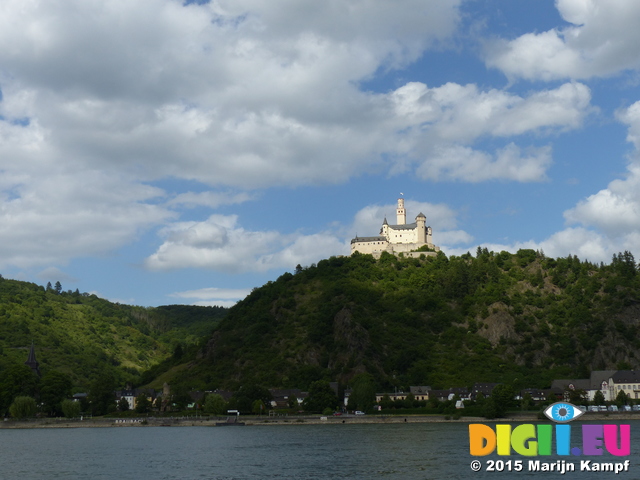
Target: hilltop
<point>83,336</point>
<point>442,321</point>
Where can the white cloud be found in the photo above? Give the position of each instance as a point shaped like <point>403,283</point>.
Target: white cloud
<point>214,293</point>
<point>609,220</point>
<point>615,210</point>
<point>586,244</point>
<point>466,164</point>
<point>603,39</point>
<point>51,220</point>
<point>213,296</point>
<point>219,243</point>
<point>443,122</point>
<point>236,94</point>
<point>208,199</point>
<point>243,93</point>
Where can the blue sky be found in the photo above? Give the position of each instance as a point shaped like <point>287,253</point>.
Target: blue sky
<point>155,152</point>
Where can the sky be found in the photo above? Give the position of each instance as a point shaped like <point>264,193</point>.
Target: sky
<point>158,152</point>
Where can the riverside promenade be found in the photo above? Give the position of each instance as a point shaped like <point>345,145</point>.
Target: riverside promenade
<point>250,420</point>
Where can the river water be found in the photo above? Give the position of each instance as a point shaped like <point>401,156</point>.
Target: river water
<point>367,451</point>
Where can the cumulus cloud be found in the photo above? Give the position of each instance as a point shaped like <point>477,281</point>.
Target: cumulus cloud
<point>601,40</point>
<point>221,244</point>
<point>51,220</point>
<point>234,95</point>
<point>208,199</point>
<point>466,164</point>
<point>585,243</point>
<point>615,210</point>
<point>608,221</point>
<point>443,122</point>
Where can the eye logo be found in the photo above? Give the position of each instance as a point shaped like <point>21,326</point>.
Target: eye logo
<point>563,412</point>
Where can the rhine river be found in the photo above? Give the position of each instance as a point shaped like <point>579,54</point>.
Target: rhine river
<point>366,451</point>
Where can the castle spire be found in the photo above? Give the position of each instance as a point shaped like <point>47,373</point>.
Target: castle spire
<point>401,213</point>
<point>31,362</point>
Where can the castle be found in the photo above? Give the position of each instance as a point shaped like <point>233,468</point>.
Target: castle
<point>403,238</point>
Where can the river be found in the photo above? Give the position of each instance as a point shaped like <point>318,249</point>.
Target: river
<point>368,451</point>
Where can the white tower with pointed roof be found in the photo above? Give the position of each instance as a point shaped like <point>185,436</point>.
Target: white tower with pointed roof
<point>401,213</point>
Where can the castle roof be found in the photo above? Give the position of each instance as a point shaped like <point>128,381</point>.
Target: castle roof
<point>407,226</point>
<point>368,239</point>
<point>421,215</point>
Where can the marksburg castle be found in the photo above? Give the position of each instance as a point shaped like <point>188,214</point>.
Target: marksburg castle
<point>403,238</point>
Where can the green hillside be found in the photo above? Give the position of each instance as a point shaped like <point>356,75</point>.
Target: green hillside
<point>83,336</point>
<point>520,318</point>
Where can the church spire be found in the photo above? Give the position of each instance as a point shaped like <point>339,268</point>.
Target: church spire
<point>31,362</point>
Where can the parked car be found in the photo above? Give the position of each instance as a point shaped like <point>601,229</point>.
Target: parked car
<point>627,408</point>
<point>613,408</point>
<point>602,408</point>
<point>358,412</point>
<point>593,408</point>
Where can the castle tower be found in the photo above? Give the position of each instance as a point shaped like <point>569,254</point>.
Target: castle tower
<point>31,362</point>
<point>401,212</point>
<point>384,230</point>
<point>421,222</point>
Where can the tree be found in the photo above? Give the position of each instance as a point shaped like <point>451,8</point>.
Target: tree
<point>363,394</point>
<point>386,402</point>
<point>244,398</point>
<point>178,352</point>
<point>23,407</point>
<point>143,404</point>
<point>577,396</point>
<point>598,398</point>
<point>180,397</point>
<point>500,401</point>
<point>17,380</point>
<point>621,398</point>
<point>101,394</point>
<point>527,402</point>
<point>258,407</point>
<point>123,404</point>
<point>70,409</point>
<point>292,402</point>
<point>215,404</point>
<point>54,388</point>
<point>58,288</point>
<point>321,396</point>
<point>409,400</point>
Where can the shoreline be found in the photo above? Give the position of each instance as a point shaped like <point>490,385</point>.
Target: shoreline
<point>528,417</point>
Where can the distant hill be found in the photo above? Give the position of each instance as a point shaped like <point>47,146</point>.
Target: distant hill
<point>83,336</point>
<point>446,321</point>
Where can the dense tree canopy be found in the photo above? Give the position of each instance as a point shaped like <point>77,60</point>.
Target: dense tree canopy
<point>520,318</point>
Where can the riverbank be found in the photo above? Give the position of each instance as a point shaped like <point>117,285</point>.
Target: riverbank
<point>291,420</point>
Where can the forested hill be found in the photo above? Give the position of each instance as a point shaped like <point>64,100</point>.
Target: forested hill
<point>520,318</point>
<point>83,336</point>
